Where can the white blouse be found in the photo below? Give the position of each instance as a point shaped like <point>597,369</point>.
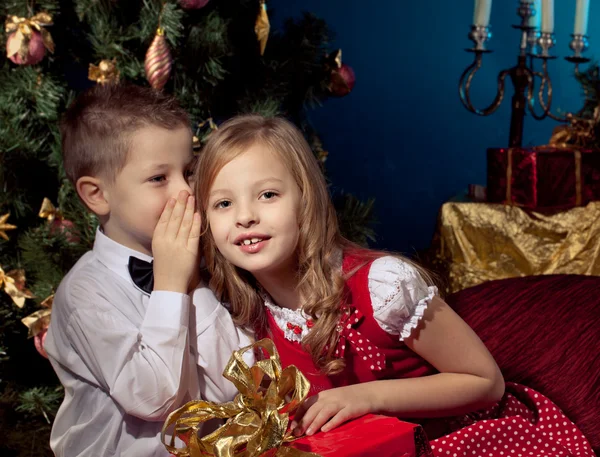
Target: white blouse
<point>399,296</point>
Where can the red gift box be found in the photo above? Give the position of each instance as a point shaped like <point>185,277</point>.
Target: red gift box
<point>368,436</point>
<point>543,177</point>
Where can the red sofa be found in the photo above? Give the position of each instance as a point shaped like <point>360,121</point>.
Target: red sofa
<point>544,332</point>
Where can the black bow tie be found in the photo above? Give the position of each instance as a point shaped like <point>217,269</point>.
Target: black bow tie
<point>142,274</point>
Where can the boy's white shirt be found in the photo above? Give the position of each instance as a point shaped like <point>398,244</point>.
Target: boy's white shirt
<point>127,359</point>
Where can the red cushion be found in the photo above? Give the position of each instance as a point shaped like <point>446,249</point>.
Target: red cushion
<point>544,332</point>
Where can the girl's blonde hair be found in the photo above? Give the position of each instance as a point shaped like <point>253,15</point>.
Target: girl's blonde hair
<point>320,278</point>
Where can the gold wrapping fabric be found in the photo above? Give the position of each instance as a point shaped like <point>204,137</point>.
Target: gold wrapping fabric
<point>257,418</point>
<point>478,242</point>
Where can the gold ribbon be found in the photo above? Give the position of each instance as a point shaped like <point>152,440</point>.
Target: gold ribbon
<point>509,168</point>
<point>106,72</point>
<point>37,322</point>
<point>23,29</point>
<point>578,132</point>
<point>48,211</point>
<point>14,286</point>
<point>578,183</point>
<point>257,418</point>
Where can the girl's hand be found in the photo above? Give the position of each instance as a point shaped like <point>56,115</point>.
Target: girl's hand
<point>331,408</point>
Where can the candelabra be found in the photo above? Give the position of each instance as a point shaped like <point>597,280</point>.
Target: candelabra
<point>534,45</point>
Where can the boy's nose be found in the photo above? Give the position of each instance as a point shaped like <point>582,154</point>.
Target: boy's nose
<point>184,185</point>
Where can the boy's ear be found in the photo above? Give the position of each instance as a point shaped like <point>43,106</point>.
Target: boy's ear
<point>91,191</point>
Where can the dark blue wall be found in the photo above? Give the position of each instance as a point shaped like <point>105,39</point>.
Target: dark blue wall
<point>402,136</point>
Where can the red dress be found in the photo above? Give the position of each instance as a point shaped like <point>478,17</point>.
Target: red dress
<point>524,423</point>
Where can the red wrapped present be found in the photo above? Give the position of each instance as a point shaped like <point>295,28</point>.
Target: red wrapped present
<point>258,419</point>
<point>368,436</point>
<point>544,177</point>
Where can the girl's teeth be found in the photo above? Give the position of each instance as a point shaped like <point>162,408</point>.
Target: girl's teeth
<point>251,241</point>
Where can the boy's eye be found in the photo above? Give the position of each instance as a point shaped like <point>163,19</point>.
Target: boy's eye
<point>223,204</point>
<point>158,178</point>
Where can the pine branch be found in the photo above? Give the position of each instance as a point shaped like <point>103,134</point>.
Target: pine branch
<point>41,400</point>
<point>355,218</point>
<point>22,8</point>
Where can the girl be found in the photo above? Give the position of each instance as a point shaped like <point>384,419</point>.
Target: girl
<point>366,328</point>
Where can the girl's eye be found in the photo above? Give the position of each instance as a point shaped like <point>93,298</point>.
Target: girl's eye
<point>269,195</point>
<point>189,174</point>
<point>159,178</point>
<point>223,204</point>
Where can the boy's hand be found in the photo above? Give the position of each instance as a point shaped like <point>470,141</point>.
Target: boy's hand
<point>331,408</point>
<point>175,244</point>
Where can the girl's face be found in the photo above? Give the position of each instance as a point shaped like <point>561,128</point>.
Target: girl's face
<point>252,210</point>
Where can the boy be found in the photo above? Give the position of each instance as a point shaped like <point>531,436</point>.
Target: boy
<point>125,341</point>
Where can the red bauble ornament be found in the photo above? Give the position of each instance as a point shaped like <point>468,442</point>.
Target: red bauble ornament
<point>36,49</point>
<point>193,4</point>
<point>342,80</point>
<point>38,341</point>
<point>158,61</point>
<point>65,227</point>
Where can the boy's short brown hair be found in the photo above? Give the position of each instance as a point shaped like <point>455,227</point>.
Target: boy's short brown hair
<point>96,128</point>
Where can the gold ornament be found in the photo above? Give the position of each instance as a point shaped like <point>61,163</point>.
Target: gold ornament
<point>14,286</point>
<point>37,322</point>
<point>262,27</point>
<point>4,226</point>
<point>577,133</point>
<point>205,128</point>
<point>49,211</point>
<point>158,61</point>
<point>196,145</point>
<point>257,418</point>
<point>48,301</point>
<point>24,29</point>
<point>105,72</point>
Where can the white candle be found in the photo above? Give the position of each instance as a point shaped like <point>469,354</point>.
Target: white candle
<point>481,15</point>
<point>581,17</point>
<point>536,21</point>
<point>548,16</point>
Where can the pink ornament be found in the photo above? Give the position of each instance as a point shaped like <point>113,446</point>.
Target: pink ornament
<point>35,50</point>
<point>66,227</point>
<point>39,340</point>
<point>193,4</point>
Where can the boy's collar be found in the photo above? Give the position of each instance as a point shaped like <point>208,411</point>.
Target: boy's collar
<point>114,255</point>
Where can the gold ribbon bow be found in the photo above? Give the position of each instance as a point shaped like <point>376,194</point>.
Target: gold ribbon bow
<point>37,322</point>
<point>257,418</point>
<point>14,286</point>
<point>24,28</point>
<point>579,132</point>
<point>48,211</point>
<point>106,72</point>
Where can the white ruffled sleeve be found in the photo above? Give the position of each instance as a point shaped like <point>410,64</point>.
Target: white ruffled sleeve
<point>399,295</point>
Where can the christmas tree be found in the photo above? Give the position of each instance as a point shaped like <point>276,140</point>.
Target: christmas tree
<point>218,57</point>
